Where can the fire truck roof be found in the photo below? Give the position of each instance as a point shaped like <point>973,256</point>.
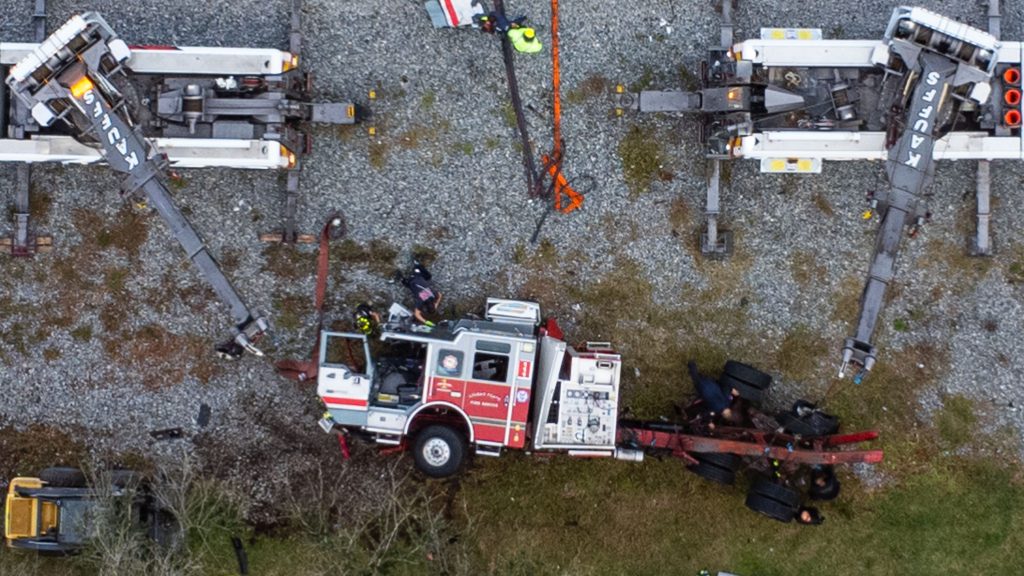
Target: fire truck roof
<point>450,331</point>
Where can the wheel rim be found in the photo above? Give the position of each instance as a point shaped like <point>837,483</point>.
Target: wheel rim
<point>436,452</point>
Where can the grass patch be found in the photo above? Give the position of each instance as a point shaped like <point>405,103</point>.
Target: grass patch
<point>292,312</point>
<point>507,113</point>
<point>82,333</point>
<point>546,278</point>
<point>411,138</point>
<point>642,159</point>
<point>378,153</point>
<point>962,270</point>
<point>115,280</point>
<point>176,181</point>
<point>39,204</point>
<point>846,299</point>
<point>645,81</point>
<point>806,269</point>
<point>687,78</point>
<point>1015,269</point>
<point>161,357</point>
<point>570,516</point>
<point>822,204</point>
<point>425,254</point>
<point>289,262</point>
<point>887,401</point>
<point>126,232</point>
<point>656,341</point>
<point>230,260</point>
<point>26,451</point>
<point>800,353</point>
<point>680,216</point>
<point>901,325</point>
<point>790,184</point>
<point>428,100</point>
<point>377,256</point>
<point>956,422</point>
<point>592,87</point>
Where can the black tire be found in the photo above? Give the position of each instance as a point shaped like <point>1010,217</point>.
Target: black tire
<point>771,508</point>
<point>824,423</point>
<point>812,425</point>
<point>713,473</point>
<point>795,425</point>
<point>828,492</point>
<point>802,405</point>
<point>747,392</point>
<point>439,451</point>
<point>63,477</point>
<point>782,494</point>
<point>717,467</point>
<point>720,459</point>
<point>748,374</point>
<point>229,350</point>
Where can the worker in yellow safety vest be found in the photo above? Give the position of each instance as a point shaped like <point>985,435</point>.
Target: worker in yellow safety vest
<point>524,40</point>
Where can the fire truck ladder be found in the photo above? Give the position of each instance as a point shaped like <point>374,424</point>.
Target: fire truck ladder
<point>929,79</point>
<point>70,77</point>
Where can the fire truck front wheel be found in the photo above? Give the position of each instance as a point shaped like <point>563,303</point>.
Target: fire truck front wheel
<point>439,451</point>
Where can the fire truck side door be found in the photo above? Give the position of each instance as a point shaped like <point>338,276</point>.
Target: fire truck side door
<point>346,371</point>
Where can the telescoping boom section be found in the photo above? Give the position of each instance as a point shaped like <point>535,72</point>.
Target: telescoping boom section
<point>934,67</point>
<point>930,89</point>
<point>70,78</point>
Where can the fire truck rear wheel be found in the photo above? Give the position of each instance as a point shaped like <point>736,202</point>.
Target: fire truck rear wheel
<point>439,451</point>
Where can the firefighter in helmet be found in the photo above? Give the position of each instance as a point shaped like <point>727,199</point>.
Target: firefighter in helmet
<point>366,319</point>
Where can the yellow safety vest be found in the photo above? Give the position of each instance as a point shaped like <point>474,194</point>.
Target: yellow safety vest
<point>521,44</point>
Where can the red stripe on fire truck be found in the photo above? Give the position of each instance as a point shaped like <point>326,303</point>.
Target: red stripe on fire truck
<point>333,401</point>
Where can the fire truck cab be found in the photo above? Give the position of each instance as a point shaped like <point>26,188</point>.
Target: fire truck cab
<point>499,382</point>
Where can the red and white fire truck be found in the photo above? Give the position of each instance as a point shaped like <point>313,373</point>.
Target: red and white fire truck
<point>509,381</point>
<point>485,383</point>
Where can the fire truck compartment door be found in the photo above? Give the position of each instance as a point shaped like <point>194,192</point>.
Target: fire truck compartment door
<point>345,374</point>
<point>552,353</point>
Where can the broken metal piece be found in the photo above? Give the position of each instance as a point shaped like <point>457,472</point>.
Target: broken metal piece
<point>167,434</point>
<point>204,415</point>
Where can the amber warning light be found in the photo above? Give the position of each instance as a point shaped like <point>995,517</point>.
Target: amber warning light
<point>81,86</point>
